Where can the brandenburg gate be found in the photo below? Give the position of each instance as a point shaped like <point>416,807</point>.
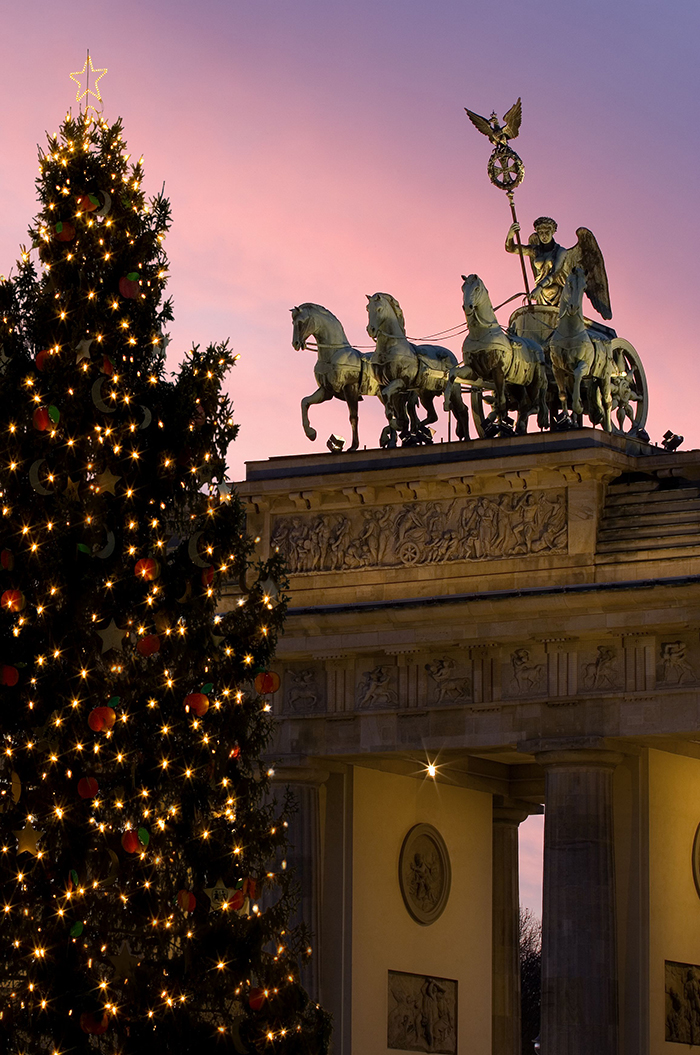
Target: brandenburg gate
<point>476,630</point>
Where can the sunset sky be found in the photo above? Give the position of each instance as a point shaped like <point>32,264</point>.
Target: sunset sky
<point>319,150</point>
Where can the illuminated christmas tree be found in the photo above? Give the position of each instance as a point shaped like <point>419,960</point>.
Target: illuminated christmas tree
<point>144,895</point>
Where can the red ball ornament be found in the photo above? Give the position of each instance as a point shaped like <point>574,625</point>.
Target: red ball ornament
<point>92,1024</point>
<point>267,682</point>
<point>208,576</point>
<point>40,419</point>
<point>237,900</point>
<point>7,560</point>
<point>88,787</point>
<point>102,718</point>
<point>148,645</point>
<point>65,232</point>
<point>41,359</point>
<point>147,568</point>
<point>13,600</point>
<point>235,753</point>
<point>107,366</point>
<point>8,675</point>
<point>197,702</point>
<point>131,841</point>
<point>88,202</point>
<point>129,285</point>
<point>256,998</point>
<point>186,900</point>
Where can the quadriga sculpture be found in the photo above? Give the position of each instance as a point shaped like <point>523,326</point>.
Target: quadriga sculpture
<point>513,366</point>
<point>402,367</point>
<point>579,354</point>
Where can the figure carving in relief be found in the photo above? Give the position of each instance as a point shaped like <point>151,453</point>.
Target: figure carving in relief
<point>449,685</point>
<point>527,676</point>
<point>422,1013</point>
<point>374,689</point>
<point>675,667</point>
<point>484,528</point>
<point>302,695</point>
<point>601,673</point>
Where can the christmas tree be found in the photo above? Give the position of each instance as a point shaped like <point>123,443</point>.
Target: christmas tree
<point>145,901</point>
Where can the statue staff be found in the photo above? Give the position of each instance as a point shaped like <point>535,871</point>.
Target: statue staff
<point>505,167</point>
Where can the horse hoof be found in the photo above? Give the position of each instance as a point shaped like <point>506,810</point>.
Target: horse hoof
<point>577,408</point>
<point>311,433</point>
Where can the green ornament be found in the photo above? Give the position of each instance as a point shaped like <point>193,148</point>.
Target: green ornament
<point>77,929</point>
<point>209,687</point>
<point>133,276</point>
<point>54,414</point>
<point>114,701</point>
<point>82,548</point>
<point>144,836</point>
<point>74,877</point>
<point>59,227</point>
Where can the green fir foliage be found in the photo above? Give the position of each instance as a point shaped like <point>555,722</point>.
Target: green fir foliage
<point>143,896</point>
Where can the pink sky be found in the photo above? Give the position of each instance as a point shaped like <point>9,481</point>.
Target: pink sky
<point>318,150</point>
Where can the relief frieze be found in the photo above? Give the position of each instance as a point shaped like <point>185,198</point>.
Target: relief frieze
<point>488,527</point>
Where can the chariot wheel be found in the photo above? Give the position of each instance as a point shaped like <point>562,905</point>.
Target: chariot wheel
<point>409,552</point>
<point>630,393</point>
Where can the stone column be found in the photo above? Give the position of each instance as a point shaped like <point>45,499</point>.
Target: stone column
<point>305,858</point>
<point>579,953</point>
<point>507,816</point>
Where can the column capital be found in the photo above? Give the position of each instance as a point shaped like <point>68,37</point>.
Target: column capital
<point>513,811</point>
<point>573,751</point>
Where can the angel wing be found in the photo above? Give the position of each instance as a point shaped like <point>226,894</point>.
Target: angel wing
<point>511,120</point>
<point>480,122</point>
<point>586,254</point>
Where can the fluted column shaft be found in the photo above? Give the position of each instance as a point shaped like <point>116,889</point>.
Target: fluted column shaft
<point>579,954</point>
<point>506,931</point>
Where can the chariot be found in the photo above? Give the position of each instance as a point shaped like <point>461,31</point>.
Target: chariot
<point>628,381</point>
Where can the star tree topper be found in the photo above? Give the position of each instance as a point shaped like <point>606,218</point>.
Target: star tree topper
<point>84,74</point>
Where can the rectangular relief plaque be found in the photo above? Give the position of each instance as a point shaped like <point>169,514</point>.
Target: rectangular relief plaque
<point>682,1002</point>
<point>422,1013</point>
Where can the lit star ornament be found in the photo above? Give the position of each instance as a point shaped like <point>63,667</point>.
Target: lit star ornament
<point>218,894</point>
<point>106,481</point>
<point>84,75</point>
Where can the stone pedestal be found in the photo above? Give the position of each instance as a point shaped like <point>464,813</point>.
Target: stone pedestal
<point>579,955</point>
<point>506,911</point>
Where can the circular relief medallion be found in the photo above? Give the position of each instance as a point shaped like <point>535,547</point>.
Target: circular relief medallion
<point>696,859</point>
<point>424,873</point>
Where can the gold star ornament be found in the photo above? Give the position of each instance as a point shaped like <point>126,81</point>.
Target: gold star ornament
<point>83,77</point>
<point>112,637</point>
<point>106,481</point>
<point>27,840</point>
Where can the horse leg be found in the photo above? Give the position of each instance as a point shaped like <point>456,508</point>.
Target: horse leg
<point>560,376</point>
<point>458,408</point>
<point>606,396</point>
<point>543,409</point>
<point>387,398</point>
<point>579,373</point>
<point>321,395</point>
<point>428,401</point>
<point>352,398</point>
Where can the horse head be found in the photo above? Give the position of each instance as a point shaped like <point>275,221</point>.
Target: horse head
<point>305,321</point>
<point>571,302</point>
<point>473,294</point>
<point>385,316</point>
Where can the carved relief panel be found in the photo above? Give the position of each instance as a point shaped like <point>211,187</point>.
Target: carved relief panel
<point>422,1013</point>
<point>304,690</point>
<point>490,527</point>
<point>682,1002</point>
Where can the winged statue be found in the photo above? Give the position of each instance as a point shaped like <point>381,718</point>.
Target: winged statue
<point>552,263</point>
<point>499,134</point>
